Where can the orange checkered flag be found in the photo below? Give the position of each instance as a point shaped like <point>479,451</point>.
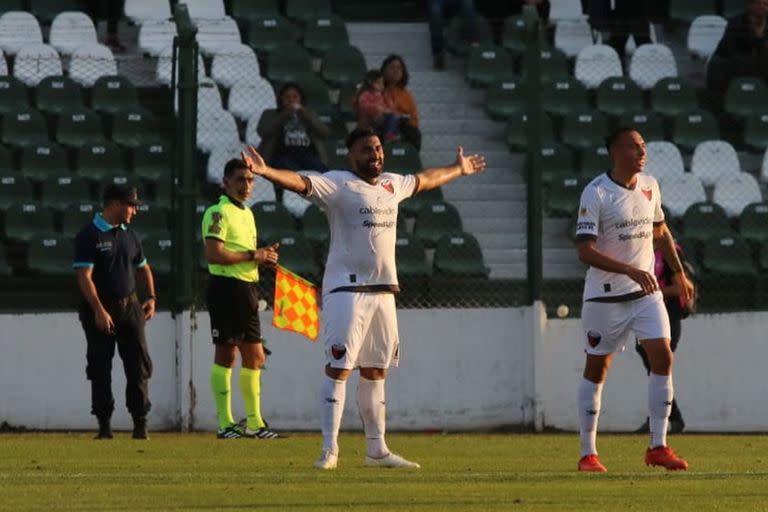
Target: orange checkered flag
<point>295,304</point>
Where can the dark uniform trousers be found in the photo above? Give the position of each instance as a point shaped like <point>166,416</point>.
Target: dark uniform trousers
<point>131,342</point>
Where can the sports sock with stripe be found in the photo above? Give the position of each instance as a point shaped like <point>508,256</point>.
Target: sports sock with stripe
<point>373,411</point>
<point>589,398</point>
<point>221,387</point>
<point>250,387</point>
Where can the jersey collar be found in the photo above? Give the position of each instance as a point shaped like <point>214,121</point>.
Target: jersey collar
<point>225,198</point>
<point>608,173</point>
<point>101,223</point>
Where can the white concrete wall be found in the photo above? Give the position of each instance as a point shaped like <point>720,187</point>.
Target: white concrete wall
<point>460,369</point>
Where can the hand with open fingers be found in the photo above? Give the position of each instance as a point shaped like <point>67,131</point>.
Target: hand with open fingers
<point>268,255</point>
<point>104,321</point>
<point>646,280</point>
<point>149,308</point>
<point>254,161</point>
<point>684,285</point>
<point>469,164</point>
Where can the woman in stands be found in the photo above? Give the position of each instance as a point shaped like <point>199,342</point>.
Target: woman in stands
<point>395,80</point>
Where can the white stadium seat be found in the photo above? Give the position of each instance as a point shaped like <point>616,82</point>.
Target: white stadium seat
<point>35,62</point>
<point>208,98</point>
<point>18,29</point>
<point>213,34</point>
<point>91,62</point>
<point>143,11</point>
<point>705,34</point>
<point>165,66</point>
<point>249,98</point>
<point>565,10</point>
<point>734,193</point>
<point>571,36</point>
<point>263,190</point>
<point>3,64</point>
<point>252,136</point>
<point>154,36</point>
<point>650,63</point>
<point>596,63</point>
<point>70,30</point>
<point>206,9</point>
<point>714,159</point>
<point>663,160</point>
<point>295,203</point>
<point>216,129</point>
<point>232,63</point>
<point>680,192</point>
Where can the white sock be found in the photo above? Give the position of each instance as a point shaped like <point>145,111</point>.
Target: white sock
<point>373,411</point>
<point>332,395</point>
<point>660,393</point>
<point>589,397</point>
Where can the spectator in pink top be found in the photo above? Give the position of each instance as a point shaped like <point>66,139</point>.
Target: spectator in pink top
<point>374,109</point>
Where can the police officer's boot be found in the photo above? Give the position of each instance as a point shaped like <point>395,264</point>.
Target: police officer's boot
<point>140,428</point>
<point>105,429</point>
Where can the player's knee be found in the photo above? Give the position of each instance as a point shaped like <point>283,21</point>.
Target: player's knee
<point>337,373</point>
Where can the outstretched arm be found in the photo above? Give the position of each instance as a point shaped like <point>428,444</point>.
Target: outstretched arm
<point>287,179</point>
<point>463,166</point>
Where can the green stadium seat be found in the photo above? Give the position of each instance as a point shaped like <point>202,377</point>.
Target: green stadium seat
<point>41,162</point>
<point>728,255</point>
<point>594,161</point>
<point>61,192</point>
<point>315,226</point>
<point>687,10</point>
<point>564,96</point>
<point>505,98</point>
<point>25,221</point>
<point>455,41</point>
<point>272,221</point>
<point>79,128</point>
<point>411,206</point>
<point>401,158</point>
<point>5,268</point>
<point>24,127</point>
<point>514,36</point>
<point>100,160</point>
<point>113,94</point>
<point>76,217</point>
<point>289,62</point>
<point>563,196</point>
<point>753,223</point>
<point>46,10</point>
<point>617,96</point>
<point>347,93</point>
<point>57,95</point>
<point>50,254</point>
<point>297,255</point>
<point>13,5</point>
<point>553,64</point>
<point>557,162</point>
<point>649,124</point>
<point>135,128</point>
<point>459,255</point>
<point>158,250</point>
<point>266,34</point>
<point>343,66</point>
<point>251,10</point>
<point>673,96</point>
<point>6,161</point>
<point>410,257</point>
<point>518,133</point>
<point>691,128</point>
<point>12,188</point>
<point>731,8</point>
<point>584,129</point>
<point>304,11</point>
<point>744,96</point>
<point>488,63</point>
<point>756,130</point>
<point>317,98</point>
<point>762,259</point>
<point>152,162</point>
<point>337,152</point>
<point>705,221</point>
<point>324,34</point>
<point>13,95</point>
<point>151,220</point>
<point>435,220</point>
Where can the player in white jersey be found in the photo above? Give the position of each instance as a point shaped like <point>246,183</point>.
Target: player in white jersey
<point>359,318</point>
<point>619,220</point>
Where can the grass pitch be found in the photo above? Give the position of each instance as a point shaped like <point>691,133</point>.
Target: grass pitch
<point>461,472</point>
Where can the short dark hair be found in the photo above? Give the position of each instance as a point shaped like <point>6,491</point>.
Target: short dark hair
<point>611,139</point>
<point>233,165</point>
<point>290,85</point>
<point>360,133</point>
<point>394,57</point>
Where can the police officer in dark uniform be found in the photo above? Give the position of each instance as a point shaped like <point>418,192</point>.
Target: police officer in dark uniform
<point>110,262</point>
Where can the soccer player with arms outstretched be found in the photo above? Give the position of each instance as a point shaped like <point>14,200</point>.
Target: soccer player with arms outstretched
<point>619,218</point>
<point>359,317</point>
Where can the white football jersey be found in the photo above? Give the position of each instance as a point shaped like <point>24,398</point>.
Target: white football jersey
<point>363,223</point>
<point>622,220</point>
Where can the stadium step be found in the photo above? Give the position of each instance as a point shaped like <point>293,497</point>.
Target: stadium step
<point>443,112</point>
<point>496,240</point>
<point>445,94</point>
<point>458,191</point>
<point>485,208</point>
<point>471,143</point>
<point>458,126</point>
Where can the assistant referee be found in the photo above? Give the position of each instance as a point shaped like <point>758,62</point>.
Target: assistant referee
<point>229,231</point>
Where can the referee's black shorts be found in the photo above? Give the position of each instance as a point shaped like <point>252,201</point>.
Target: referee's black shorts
<point>233,306</point>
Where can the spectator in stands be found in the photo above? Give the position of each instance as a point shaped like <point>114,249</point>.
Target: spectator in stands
<point>677,309</point>
<point>439,10</point>
<point>374,110</point>
<point>628,17</point>
<point>395,82</point>
<point>291,134</point>
<point>110,262</point>
<point>111,10</point>
<point>743,50</point>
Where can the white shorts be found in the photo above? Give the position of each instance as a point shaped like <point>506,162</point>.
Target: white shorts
<point>360,330</point>
<point>607,325</point>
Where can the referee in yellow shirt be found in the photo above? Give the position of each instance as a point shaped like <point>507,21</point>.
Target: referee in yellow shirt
<point>229,232</point>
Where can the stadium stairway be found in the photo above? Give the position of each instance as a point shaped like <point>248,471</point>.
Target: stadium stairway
<point>492,205</point>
